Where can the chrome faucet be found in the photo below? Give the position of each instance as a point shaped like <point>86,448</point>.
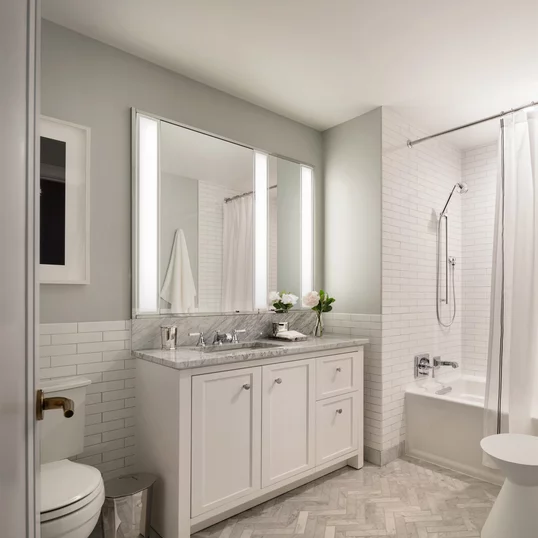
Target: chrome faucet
<point>221,338</point>
<point>437,363</point>
<point>201,339</point>
<point>227,338</point>
<point>422,365</point>
<point>235,332</point>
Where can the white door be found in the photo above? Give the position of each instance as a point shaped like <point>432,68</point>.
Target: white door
<point>226,430</point>
<point>18,318</point>
<point>288,421</point>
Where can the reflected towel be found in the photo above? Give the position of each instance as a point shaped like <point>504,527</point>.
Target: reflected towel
<point>178,288</point>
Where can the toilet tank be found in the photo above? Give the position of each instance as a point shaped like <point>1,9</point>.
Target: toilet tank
<point>62,437</point>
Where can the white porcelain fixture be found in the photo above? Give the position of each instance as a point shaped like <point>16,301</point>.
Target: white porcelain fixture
<point>71,493</point>
<point>226,437</point>
<point>447,429</point>
<point>515,512</point>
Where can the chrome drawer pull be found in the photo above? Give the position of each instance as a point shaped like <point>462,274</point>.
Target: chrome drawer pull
<point>278,380</point>
<point>339,411</point>
<point>339,369</point>
<point>246,386</point>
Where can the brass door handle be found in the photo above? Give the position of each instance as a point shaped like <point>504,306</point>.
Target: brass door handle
<point>56,402</point>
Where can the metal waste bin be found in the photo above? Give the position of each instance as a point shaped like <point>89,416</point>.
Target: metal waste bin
<point>126,511</point>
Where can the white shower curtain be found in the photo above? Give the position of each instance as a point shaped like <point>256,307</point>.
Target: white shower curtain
<point>237,273</point>
<point>512,383</point>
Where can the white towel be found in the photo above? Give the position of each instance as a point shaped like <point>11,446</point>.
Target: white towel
<point>178,288</point>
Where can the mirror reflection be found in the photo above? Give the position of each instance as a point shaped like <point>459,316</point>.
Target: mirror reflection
<point>219,226</point>
<point>206,223</point>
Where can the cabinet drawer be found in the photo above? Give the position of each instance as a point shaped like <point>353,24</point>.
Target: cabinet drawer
<point>338,374</point>
<point>337,425</point>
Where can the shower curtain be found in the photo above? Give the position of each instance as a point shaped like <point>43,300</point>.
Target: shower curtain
<point>512,382</point>
<point>237,272</point>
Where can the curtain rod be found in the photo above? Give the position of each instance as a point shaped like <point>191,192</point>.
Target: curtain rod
<point>412,143</point>
<point>226,200</point>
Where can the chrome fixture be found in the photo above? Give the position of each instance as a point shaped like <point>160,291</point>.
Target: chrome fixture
<point>54,402</point>
<point>450,261</point>
<point>280,326</point>
<point>413,143</point>
<point>168,337</point>
<point>246,386</point>
<point>437,363</point>
<point>235,332</point>
<point>227,338</point>
<point>201,339</point>
<point>460,188</point>
<point>278,380</point>
<point>423,365</point>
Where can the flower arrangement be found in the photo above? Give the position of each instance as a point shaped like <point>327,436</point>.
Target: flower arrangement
<point>319,302</point>
<point>282,301</point>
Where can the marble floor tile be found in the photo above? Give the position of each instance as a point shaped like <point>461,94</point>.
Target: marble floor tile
<point>407,498</point>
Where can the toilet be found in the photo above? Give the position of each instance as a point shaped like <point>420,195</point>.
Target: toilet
<point>71,493</point>
<point>515,512</point>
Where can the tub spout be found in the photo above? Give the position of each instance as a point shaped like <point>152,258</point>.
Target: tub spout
<point>438,362</point>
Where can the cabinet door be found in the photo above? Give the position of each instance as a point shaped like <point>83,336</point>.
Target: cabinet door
<point>288,421</point>
<point>337,426</point>
<point>226,431</point>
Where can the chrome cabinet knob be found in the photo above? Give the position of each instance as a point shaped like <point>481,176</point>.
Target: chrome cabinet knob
<point>246,386</point>
<point>339,369</point>
<point>278,380</point>
<point>339,411</point>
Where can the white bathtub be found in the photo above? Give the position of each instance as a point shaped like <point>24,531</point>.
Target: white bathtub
<point>447,429</point>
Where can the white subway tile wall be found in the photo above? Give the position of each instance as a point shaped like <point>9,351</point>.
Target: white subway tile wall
<point>480,173</point>
<point>101,352</point>
<point>369,326</point>
<point>416,185</point>
<point>210,236</point>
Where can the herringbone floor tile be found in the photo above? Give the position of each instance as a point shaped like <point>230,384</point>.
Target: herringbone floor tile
<point>405,499</point>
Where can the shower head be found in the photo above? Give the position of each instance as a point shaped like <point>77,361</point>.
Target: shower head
<point>461,187</point>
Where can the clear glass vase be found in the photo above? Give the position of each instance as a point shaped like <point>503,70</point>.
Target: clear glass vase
<point>318,331</point>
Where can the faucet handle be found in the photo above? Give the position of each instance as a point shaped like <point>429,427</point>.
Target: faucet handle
<point>201,339</point>
<point>235,332</point>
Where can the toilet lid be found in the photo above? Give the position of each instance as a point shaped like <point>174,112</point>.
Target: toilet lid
<point>65,482</point>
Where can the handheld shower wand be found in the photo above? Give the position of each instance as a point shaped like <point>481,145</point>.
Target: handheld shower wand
<point>450,261</point>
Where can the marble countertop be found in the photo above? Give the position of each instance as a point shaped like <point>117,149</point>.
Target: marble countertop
<point>189,357</point>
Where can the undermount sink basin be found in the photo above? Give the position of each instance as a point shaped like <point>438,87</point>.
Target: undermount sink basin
<point>233,347</point>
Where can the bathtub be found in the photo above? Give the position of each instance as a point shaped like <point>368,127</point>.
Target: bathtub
<point>447,428</point>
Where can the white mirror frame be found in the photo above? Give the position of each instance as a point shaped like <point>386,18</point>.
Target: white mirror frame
<point>141,246</point>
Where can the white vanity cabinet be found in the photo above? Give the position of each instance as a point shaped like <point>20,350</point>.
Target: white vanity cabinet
<point>288,419</point>
<point>225,437</point>
<point>226,417</point>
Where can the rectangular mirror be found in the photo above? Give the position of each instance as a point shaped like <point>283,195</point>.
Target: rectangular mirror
<point>217,225</point>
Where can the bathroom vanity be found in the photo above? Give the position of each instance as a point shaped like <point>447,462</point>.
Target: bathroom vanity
<point>227,429</point>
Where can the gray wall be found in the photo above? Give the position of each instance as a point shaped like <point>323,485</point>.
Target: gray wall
<point>87,82</point>
<point>352,154</point>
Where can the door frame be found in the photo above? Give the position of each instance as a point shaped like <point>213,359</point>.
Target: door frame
<point>20,23</point>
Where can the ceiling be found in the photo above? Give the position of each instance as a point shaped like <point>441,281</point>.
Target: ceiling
<point>321,62</point>
<point>194,155</point>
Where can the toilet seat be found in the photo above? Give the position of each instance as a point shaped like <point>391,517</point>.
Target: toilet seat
<point>67,487</point>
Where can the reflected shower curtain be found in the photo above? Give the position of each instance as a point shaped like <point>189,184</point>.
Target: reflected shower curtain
<point>237,272</point>
<point>512,382</point>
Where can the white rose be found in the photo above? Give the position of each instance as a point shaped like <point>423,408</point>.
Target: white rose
<point>289,298</point>
<point>274,297</point>
<point>311,299</point>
